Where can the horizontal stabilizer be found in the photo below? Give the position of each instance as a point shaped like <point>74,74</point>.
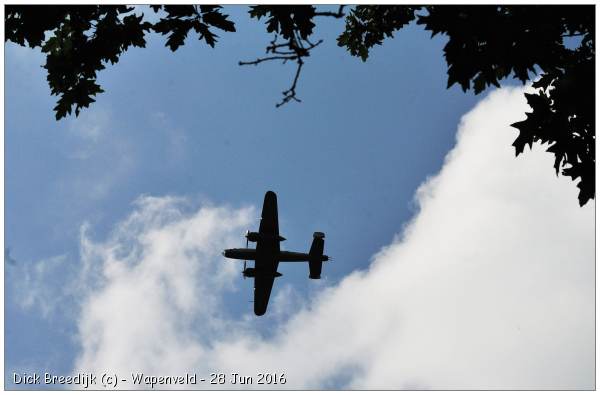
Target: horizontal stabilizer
<point>315,262</point>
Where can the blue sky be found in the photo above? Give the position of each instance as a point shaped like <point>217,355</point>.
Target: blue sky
<point>346,161</point>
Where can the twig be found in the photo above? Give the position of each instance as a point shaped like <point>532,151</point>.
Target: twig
<point>260,60</point>
<point>290,94</point>
<point>297,48</point>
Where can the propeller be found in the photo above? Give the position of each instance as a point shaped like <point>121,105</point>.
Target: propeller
<point>244,271</point>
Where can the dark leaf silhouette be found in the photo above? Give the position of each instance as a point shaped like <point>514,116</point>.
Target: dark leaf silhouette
<point>287,20</point>
<point>367,26</point>
<point>181,18</point>
<point>486,44</point>
<point>84,39</point>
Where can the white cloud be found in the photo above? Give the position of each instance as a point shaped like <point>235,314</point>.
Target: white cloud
<point>491,286</point>
<point>39,284</point>
<point>97,143</point>
<point>90,125</point>
<point>161,280</point>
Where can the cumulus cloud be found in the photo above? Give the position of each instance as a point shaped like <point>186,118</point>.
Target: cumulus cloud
<point>490,286</point>
<point>156,286</point>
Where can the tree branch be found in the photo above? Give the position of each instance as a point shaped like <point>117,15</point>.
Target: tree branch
<point>573,35</point>
<point>339,14</point>
<point>297,48</point>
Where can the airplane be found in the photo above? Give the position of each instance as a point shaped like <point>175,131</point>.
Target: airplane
<point>268,254</point>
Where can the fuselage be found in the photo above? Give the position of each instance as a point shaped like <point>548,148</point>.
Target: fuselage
<point>250,254</point>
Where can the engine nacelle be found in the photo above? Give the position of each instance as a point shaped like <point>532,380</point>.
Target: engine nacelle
<point>251,272</point>
<point>255,237</point>
<point>252,236</point>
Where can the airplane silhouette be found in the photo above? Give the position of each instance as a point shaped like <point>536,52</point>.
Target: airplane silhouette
<point>267,254</point>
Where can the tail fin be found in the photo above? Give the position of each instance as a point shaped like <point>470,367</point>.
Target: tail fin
<point>316,255</point>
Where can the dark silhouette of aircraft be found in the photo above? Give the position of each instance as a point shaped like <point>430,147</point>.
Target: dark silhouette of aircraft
<point>267,254</point>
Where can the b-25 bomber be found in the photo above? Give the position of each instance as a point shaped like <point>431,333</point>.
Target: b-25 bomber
<point>268,254</point>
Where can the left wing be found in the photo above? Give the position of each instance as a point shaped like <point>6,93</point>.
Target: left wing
<point>269,223</point>
<point>262,291</point>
